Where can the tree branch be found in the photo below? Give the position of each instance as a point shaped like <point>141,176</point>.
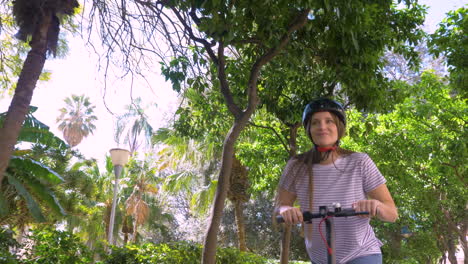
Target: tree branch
<point>233,108</point>
<point>192,36</point>
<point>276,133</point>
<point>462,179</point>
<point>299,22</point>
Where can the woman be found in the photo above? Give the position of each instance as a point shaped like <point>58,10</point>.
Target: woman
<point>335,175</point>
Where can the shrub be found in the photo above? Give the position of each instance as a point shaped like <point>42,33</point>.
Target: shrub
<point>176,253</point>
<point>58,247</point>
<point>7,241</point>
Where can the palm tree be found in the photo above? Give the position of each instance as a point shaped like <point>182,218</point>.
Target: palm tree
<point>136,206</point>
<point>39,20</point>
<point>191,164</point>
<point>90,201</point>
<point>131,125</point>
<point>76,119</point>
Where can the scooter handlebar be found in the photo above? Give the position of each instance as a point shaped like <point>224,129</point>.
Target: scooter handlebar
<point>308,216</point>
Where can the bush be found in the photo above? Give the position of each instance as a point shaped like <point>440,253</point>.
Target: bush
<point>58,247</point>
<point>177,253</point>
<point>7,241</point>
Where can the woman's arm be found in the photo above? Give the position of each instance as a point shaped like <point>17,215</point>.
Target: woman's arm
<point>380,204</point>
<point>286,209</point>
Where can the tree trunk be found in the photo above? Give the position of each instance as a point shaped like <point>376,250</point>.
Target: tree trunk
<point>21,101</point>
<point>241,119</point>
<point>462,237</point>
<point>285,244</point>
<point>209,250</point>
<point>240,225</point>
<point>452,248</point>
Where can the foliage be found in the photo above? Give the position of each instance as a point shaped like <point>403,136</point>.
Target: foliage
<point>53,246</point>
<point>30,180</point>
<point>29,14</point>
<point>240,39</point>
<point>131,125</point>
<point>143,203</point>
<point>262,236</point>
<point>12,52</point>
<point>183,252</point>
<point>34,131</point>
<point>451,40</point>
<point>421,148</point>
<point>7,241</point>
<point>188,167</point>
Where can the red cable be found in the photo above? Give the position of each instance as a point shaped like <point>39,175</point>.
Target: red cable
<point>330,251</point>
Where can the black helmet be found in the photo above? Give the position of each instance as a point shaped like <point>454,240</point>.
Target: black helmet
<point>320,105</point>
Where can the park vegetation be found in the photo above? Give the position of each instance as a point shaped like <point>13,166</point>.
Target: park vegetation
<point>202,188</point>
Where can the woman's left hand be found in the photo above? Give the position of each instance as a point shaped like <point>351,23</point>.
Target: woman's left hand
<point>370,206</point>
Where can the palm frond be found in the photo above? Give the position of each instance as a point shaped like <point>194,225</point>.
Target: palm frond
<point>201,200</point>
<point>34,131</point>
<point>39,170</point>
<point>45,194</point>
<point>33,207</point>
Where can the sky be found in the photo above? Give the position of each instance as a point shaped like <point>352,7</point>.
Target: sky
<point>77,74</point>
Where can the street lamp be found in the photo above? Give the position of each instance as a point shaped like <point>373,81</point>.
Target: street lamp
<point>119,159</point>
<point>405,232</point>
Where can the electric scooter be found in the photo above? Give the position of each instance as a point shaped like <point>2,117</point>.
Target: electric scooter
<point>326,214</point>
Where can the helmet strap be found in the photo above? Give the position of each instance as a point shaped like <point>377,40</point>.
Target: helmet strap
<point>327,149</point>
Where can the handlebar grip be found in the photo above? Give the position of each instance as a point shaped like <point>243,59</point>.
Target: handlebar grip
<point>349,212</point>
<point>279,219</point>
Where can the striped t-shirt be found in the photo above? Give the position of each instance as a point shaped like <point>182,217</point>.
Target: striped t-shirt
<point>345,181</point>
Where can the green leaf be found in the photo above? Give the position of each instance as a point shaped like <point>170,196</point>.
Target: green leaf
<point>39,170</point>
<point>355,42</point>
<point>34,131</point>
<point>47,195</point>
<point>33,207</point>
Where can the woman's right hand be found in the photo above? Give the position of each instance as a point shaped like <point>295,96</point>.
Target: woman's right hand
<point>290,214</point>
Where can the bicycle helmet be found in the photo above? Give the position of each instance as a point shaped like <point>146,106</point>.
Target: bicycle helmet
<point>321,105</point>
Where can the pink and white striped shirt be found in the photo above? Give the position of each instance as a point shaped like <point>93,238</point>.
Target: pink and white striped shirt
<point>346,181</point>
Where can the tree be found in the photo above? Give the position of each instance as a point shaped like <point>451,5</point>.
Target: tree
<point>85,191</point>
<point>131,125</point>
<point>451,40</point>
<point>188,168</point>
<point>232,44</point>
<point>40,21</point>
<point>135,204</point>
<point>421,149</point>
<point>76,119</point>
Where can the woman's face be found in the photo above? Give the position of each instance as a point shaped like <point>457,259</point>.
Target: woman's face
<point>323,129</point>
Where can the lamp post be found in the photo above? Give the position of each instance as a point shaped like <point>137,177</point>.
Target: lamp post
<point>405,232</point>
<point>119,159</point>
